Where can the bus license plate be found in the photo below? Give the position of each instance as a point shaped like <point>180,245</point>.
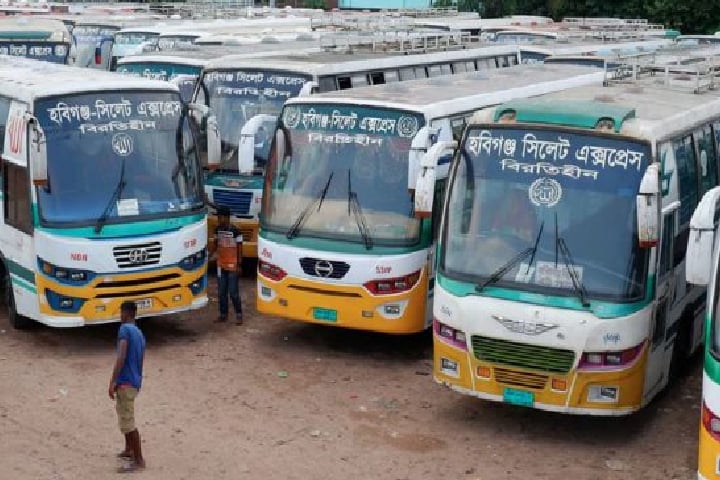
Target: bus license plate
<point>325,314</point>
<point>518,397</point>
<point>144,304</point>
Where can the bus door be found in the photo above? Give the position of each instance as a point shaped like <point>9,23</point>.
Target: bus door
<point>665,292</point>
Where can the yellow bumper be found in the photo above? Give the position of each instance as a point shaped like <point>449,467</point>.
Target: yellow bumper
<point>573,399</point>
<point>709,455</point>
<point>348,306</point>
<point>157,292</point>
<point>248,229</point>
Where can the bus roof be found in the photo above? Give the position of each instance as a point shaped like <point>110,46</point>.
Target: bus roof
<point>197,58</point>
<point>448,95</point>
<point>29,79</point>
<point>330,63</point>
<point>644,108</point>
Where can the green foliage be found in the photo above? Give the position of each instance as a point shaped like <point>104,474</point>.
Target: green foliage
<point>688,16</point>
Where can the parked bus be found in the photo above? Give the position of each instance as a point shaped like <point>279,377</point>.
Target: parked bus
<point>246,97</point>
<point>92,44</point>
<point>35,38</point>
<point>339,244</point>
<point>102,196</point>
<point>560,274</point>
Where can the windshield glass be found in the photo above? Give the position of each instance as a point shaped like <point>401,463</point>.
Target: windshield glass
<point>165,71</point>
<point>518,189</point>
<point>348,152</point>
<point>97,141</point>
<point>235,96</point>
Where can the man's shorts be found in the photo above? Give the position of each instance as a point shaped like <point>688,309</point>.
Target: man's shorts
<point>125,407</point>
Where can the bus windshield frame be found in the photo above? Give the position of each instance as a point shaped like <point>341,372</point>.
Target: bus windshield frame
<point>344,175</point>
<point>127,155</point>
<point>559,201</point>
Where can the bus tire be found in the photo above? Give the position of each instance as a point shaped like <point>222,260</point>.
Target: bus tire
<point>17,321</point>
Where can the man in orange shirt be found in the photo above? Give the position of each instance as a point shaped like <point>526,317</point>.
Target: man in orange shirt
<point>228,255</point>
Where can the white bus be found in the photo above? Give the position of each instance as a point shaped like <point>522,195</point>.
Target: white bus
<point>101,195</point>
<point>560,281</point>
<point>245,97</point>
<point>339,243</point>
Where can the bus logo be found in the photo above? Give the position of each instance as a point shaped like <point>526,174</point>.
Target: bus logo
<point>545,192</point>
<point>122,144</point>
<point>137,256</point>
<point>323,268</point>
<point>523,327</point>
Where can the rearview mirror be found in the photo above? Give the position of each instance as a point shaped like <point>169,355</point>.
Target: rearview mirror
<point>246,145</point>
<point>425,185</point>
<point>38,155</point>
<point>701,241</point>
<point>308,88</point>
<point>214,145</point>
<point>418,147</point>
<point>648,207</point>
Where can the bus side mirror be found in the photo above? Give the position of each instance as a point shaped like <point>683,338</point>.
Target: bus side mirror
<point>418,147</point>
<point>279,145</point>
<point>214,145</point>
<point>701,241</point>
<point>38,155</point>
<point>246,145</point>
<point>648,207</point>
<point>425,185</point>
<point>309,88</point>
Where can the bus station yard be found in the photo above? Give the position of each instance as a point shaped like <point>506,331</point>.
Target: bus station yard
<point>280,399</point>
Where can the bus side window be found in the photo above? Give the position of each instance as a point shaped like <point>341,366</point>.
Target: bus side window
<point>327,84</point>
<point>457,124</point>
<point>687,177</point>
<point>407,74</point>
<point>377,78</point>
<point>470,66</point>
<point>421,72</point>
<point>705,148</point>
<point>391,76</point>
<point>434,71</point>
<point>438,203</point>
<point>445,69</point>
<point>343,83</point>
<point>16,190</point>
<point>459,67</point>
<point>716,136</point>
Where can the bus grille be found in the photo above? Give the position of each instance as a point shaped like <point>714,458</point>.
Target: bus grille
<point>534,381</point>
<point>514,354</point>
<point>318,267</point>
<point>139,255</point>
<point>237,202</point>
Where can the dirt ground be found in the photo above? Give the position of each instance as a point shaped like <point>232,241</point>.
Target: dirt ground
<point>277,399</point>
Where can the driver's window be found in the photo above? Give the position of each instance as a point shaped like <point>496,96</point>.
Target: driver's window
<point>666,247</point>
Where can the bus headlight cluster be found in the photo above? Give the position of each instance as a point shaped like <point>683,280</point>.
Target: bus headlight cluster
<point>450,335</point>
<point>196,260</point>
<point>610,360</point>
<point>65,275</point>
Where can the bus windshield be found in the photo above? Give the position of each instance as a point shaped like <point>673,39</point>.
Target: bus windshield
<point>546,211</point>
<point>164,71</point>
<point>117,155</point>
<point>346,177</point>
<point>235,96</point>
<point>169,42</point>
<point>134,38</point>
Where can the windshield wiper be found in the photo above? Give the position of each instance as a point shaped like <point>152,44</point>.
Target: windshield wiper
<point>354,206</point>
<point>114,198</point>
<point>570,266</point>
<point>503,269</point>
<point>305,214</point>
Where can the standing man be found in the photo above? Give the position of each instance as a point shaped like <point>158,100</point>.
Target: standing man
<point>228,254</point>
<point>125,384</point>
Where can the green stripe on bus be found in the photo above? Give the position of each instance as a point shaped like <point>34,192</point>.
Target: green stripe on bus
<point>605,310</point>
<point>130,229</point>
<point>344,246</point>
<point>19,281</point>
<point>20,271</point>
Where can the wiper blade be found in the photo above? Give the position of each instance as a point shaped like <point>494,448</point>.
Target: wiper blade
<point>114,198</point>
<point>305,214</point>
<point>570,266</point>
<point>500,272</point>
<point>354,206</point>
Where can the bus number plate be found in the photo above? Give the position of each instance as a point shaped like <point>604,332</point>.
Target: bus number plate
<point>324,314</point>
<point>144,304</point>
<point>518,397</point>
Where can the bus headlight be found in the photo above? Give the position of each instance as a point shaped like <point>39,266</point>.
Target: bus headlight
<point>610,360</point>
<point>194,261</point>
<point>390,286</point>
<point>450,335</point>
<point>65,275</point>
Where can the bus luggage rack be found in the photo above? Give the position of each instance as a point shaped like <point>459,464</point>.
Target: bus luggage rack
<point>694,72</point>
<point>398,41</point>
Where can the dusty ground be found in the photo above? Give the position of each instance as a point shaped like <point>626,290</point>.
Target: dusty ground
<point>216,404</point>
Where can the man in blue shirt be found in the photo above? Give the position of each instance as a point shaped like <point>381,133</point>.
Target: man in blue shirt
<point>125,384</point>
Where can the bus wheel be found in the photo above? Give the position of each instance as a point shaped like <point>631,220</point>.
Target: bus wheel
<point>16,320</point>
